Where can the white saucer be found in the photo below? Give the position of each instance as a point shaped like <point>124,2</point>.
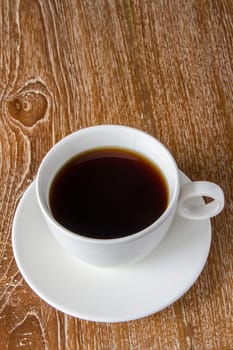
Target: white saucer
<point>107,295</point>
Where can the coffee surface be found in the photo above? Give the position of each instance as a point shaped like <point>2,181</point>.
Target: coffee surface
<point>108,193</point>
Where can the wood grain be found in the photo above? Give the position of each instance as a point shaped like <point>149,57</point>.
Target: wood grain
<point>162,66</point>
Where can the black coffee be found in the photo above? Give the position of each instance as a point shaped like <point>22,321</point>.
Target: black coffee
<point>108,193</point>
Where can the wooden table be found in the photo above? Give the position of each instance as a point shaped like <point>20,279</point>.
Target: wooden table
<point>164,67</point>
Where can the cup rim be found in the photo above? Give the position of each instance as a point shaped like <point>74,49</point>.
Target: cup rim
<point>137,235</point>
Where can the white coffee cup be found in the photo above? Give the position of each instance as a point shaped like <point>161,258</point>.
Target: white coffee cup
<point>132,248</point>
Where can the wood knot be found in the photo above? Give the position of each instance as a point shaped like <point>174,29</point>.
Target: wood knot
<point>28,107</point>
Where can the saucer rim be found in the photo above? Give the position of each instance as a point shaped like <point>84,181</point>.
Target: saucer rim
<point>97,318</point>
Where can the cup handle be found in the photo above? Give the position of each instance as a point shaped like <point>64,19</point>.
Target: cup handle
<point>187,207</point>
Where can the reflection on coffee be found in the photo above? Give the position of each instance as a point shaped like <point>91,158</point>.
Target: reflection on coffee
<point>108,193</point>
